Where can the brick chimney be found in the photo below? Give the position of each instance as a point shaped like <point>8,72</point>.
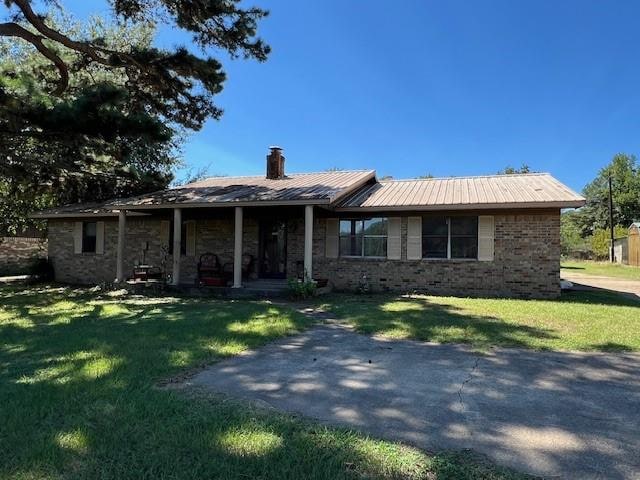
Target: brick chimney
<point>275,164</point>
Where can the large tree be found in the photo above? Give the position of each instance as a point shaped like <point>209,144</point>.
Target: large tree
<point>50,157</point>
<point>88,113</point>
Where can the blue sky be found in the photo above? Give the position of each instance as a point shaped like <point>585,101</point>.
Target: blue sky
<point>416,87</point>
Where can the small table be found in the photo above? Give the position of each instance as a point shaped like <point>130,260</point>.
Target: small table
<point>146,272</point>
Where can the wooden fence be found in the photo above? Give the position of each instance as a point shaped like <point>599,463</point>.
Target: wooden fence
<point>634,246</point>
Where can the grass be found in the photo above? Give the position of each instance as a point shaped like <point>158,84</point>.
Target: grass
<point>79,398</point>
<point>603,269</point>
<point>577,321</point>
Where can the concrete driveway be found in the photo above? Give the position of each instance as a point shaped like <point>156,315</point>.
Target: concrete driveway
<point>571,415</point>
<point>630,288</point>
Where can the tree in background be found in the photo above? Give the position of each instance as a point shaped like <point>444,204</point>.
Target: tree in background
<point>90,112</point>
<point>586,232</point>
<point>625,176</point>
<point>509,170</point>
<point>572,241</point>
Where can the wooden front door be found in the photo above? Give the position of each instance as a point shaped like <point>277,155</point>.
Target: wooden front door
<point>273,249</point>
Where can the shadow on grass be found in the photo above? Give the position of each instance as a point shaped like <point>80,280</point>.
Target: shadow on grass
<point>482,322</point>
<point>77,389</point>
<point>421,318</point>
<point>597,296</point>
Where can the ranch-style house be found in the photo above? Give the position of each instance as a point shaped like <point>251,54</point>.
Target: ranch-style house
<point>496,235</point>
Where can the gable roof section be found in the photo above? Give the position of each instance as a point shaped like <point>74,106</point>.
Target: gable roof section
<point>535,190</point>
<point>299,189</point>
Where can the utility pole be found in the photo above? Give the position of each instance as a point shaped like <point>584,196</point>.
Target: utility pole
<point>611,218</point>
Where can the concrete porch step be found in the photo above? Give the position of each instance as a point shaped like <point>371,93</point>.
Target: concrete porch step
<point>260,288</point>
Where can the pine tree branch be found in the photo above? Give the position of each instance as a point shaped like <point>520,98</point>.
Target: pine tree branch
<point>12,29</point>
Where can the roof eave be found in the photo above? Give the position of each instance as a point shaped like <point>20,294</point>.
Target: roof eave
<point>466,206</point>
<point>265,203</point>
<point>113,213</point>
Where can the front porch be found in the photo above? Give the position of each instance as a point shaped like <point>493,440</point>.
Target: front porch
<point>238,247</point>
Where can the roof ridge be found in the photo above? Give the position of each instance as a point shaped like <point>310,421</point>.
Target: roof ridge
<point>297,174</point>
<point>497,175</point>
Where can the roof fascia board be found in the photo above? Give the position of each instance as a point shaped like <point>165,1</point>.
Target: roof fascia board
<point>269,203</point>
<point>112,214</point>
<point>471,206</point>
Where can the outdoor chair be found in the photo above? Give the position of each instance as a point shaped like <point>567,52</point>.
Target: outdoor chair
<point>210,271</point>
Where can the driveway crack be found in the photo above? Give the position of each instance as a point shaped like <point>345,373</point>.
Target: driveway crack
<point>463,407</point>
<point>467,380</point>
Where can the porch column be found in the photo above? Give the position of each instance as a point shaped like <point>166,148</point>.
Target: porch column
<point>122,226</point>
<point>308,242</point>
<point>237,250</point>
<point>177,242</point>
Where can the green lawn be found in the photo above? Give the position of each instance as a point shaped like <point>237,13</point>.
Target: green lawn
<point>79,398</point>
<point>604,269</point>
<point>576,321</point>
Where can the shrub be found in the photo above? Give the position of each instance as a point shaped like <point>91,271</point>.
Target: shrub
<point>41,271</point>
<point>601,240</point>
<point>301,289</point>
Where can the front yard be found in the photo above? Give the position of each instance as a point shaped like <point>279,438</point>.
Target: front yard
<point>577,321</point>
<point>79,397</point>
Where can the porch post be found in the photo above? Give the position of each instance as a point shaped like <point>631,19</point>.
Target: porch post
<point>308,242</point>
<point>237,250</point>
<point>122,226</point>
<point>177,242</point>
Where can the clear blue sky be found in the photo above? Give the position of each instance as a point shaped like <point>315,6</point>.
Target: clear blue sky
<point>416,87</point>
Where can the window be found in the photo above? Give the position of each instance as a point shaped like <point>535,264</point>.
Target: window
<point>450,237</point>
<point>464,237</point>
<point>89,237</point>
<point>363,238</point>
<point>435,237</point>
<point>183,239</point>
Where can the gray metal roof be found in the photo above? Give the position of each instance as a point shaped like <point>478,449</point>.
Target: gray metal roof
<point>305,188</point>
<point>458,193</point>
<point>81,210</point>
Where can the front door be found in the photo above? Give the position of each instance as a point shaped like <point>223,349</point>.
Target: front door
<point>273,249</point>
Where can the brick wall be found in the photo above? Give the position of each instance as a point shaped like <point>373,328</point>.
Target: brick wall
<point>212,235</point>
<point>526,263</point>
<point>17,254</point>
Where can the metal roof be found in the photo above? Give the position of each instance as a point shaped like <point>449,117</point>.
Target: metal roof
<point>347,191</point>
<point>299,189</point>
<point>534,190</point>
<point>81,210</point>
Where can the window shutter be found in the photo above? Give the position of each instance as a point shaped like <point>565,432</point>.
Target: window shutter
<point>486,238</point>
<point>414,238</point>
<point>164,233</point>
<point>77,237</point>
<point>394,245</point>
<point>332,238</point>
<point>99,238</point>
<point>191,239</point>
